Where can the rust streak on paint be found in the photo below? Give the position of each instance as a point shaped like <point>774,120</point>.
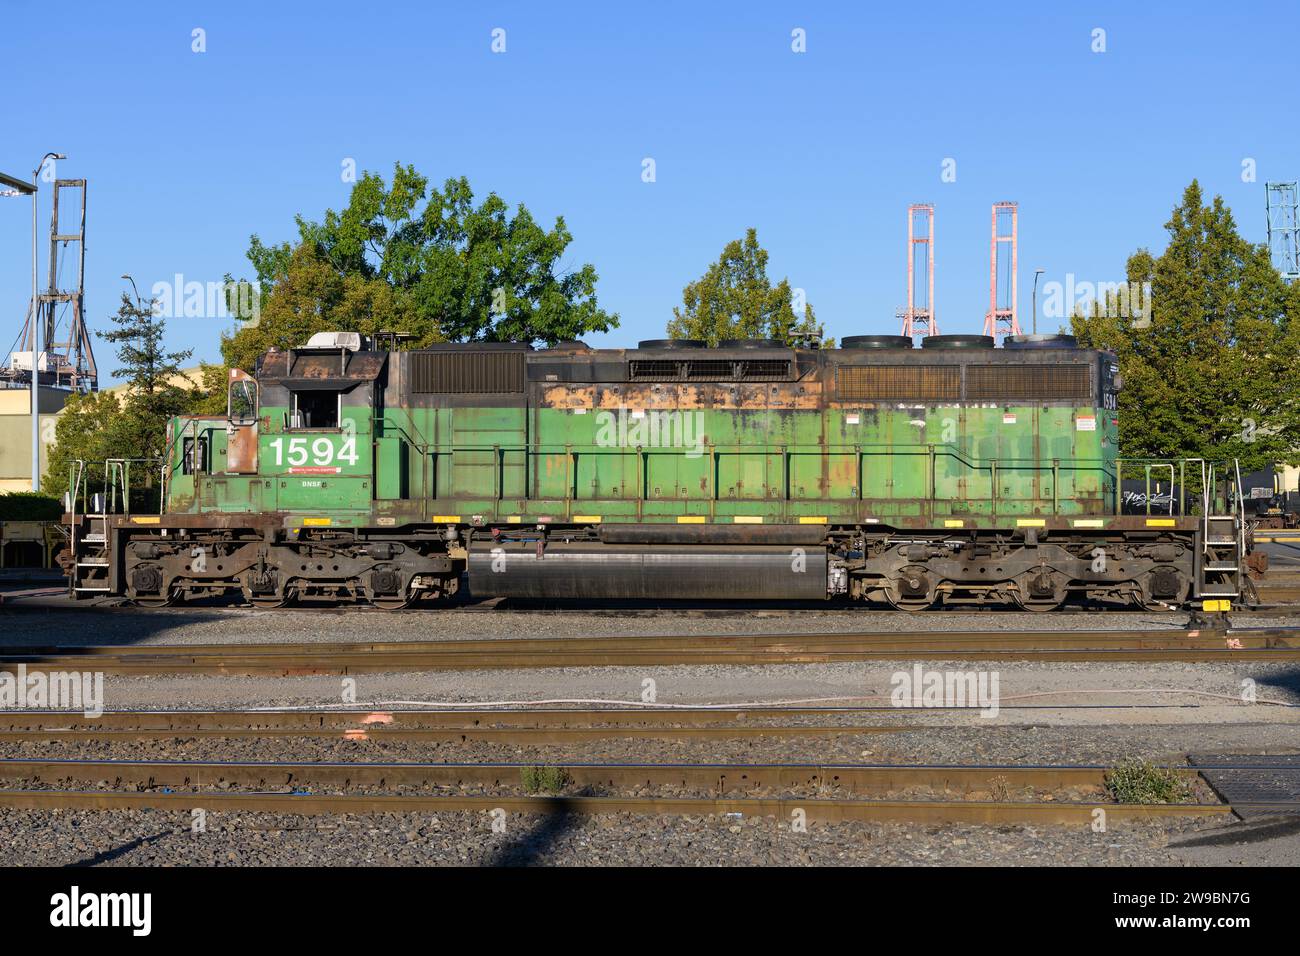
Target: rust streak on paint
<point>569,396</point>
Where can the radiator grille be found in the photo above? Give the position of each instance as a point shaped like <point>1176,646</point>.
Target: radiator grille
<point>870,382</point>
<point>1029,382</point>
<point>653,370</point>
<point>764,370</point>
<point>473,372</point>
<point>708,370</point>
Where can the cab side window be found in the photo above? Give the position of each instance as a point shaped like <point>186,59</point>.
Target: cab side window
<point>241,405</point>
<point>315,409</point>
<point>194,455</point>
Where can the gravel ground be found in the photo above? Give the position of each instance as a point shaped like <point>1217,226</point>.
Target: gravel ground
<point>63,623</point>
<point>163,838</point>
<point>1100,746</point>
<point>1211,691</point>
<point>1169,709</point>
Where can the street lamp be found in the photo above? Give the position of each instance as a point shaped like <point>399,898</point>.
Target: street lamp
<point>128,278</point>
<point>1037,273</point>
<point>36,335</point>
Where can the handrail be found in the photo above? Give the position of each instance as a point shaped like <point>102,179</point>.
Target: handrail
<point>118,471</point>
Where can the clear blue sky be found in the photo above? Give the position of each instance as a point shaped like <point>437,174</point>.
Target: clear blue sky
<point>187,154</point>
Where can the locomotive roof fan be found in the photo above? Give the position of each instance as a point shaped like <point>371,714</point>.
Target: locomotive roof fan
<point>751,344</point>
<point>876,342</point>
<point>671,344</point>
<point>1053,341</point>
<point>957,342</point>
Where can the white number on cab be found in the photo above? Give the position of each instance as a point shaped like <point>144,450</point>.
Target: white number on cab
<point>321,451</point>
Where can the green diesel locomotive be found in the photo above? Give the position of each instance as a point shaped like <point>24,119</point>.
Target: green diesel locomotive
<point>954,473</point>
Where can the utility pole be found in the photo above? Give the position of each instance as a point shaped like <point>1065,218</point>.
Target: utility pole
<point>16,187</point>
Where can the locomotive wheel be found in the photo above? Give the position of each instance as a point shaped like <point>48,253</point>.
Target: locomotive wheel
<point>262,599</point>
<point>1038,607</point>
<point>384,589</point>
<point>152,587</point>
<point>392,603</point>
<point>912,590</point>
<point>1160,589</point>
<point>1040,591</point>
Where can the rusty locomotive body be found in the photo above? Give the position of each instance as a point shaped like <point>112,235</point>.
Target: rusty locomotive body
<point>952,473</point>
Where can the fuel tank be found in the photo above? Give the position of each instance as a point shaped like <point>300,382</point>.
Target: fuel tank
<point>596,571</point>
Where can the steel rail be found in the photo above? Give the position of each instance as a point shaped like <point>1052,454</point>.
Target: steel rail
<point>523,717</point>
<point>533,728</point>
<point>1266,644</point>
<point>718,779</point>
<point>1167,637</point>
<point>1278,592</point>
<point>523,736</point>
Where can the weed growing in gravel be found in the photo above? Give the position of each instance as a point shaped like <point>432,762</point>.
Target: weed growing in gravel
<point>1140,781</point>
<point>1001,788</point>
<point>544,779</point>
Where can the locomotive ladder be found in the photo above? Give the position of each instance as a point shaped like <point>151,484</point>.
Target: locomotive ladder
<point>88,573</point>
<point>1222,553</point>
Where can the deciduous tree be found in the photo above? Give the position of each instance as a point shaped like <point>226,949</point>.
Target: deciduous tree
<point>429,262</point>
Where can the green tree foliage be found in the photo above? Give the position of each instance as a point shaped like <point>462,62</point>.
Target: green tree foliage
<point>1211,370</point>
<point>430,263</point>
<point>97,426</point>
<point>29,506</point>
<point>139,341</point>
<point>85,430</point>
<point>156,388</point>
<point>735,300</point>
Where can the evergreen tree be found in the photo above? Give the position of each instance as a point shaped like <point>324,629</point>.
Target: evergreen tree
<point>97,426</point>
<point>139,341</point>
<point>1210,371</point>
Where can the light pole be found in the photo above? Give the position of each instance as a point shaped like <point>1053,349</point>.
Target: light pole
<point>36,335</point>
<point>1037,273</point>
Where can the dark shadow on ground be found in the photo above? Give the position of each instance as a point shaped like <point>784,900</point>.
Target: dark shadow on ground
<point>1256,831</point>
<point>531,847</point>
<point>109,856</point>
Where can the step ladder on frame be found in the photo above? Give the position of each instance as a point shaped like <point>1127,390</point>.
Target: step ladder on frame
<point>1220,559</point>
<point>87,537</point>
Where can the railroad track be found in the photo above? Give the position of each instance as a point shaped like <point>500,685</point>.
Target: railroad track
<point>1238,644</point>
<point>713,789</point>
<point>822,792</point>
<point>523,727</point>
<point>514,726</point>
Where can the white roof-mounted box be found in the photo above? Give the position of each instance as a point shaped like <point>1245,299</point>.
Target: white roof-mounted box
<point>335,340</point>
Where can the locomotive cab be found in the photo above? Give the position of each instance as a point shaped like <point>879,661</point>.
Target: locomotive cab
<point>313,425</point>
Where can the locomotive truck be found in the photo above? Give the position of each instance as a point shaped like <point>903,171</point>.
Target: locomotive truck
<point>951,473</point>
